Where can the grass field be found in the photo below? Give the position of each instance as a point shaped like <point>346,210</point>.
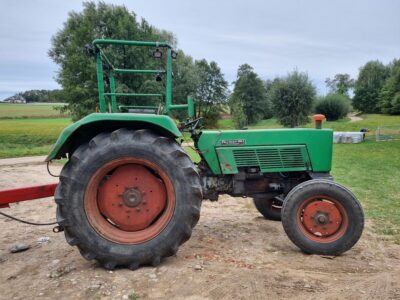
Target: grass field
<point>370,169</point>
<point>12,111</point>
<point>26,137</point>
<point>29,129</point>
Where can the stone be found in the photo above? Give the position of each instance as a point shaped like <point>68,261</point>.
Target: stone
<point>95,286</point>
<point>43,240</point>
<point>19,248</point>
<point>60,271</point>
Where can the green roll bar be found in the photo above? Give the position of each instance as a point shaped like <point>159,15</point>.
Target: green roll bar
<point>101,58</point>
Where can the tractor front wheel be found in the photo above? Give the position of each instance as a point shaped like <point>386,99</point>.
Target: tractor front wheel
<point>322,217</point>
<point>128,198</point>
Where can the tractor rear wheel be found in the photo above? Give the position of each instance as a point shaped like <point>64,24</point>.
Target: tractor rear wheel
<point>322,217</point>
<point>270,208</point>
<point>128,198</point>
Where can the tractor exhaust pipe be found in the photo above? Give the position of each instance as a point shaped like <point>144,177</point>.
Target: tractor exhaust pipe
<point>318,119</point>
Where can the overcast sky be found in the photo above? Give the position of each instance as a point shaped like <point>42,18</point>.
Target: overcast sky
<point>319,37</point>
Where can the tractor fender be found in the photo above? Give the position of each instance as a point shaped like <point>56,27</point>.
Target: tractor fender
<point>85,129</point>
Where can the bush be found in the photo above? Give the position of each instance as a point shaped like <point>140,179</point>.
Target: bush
<point>333,106</point>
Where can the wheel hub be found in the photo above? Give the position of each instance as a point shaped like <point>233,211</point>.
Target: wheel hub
<point>321,218</point>
<point>132,197</point>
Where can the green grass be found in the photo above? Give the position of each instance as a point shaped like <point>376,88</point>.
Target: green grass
<point>370,121</point>
<point>263,124</point>
<point>11,111</point>
<point>25,137</point>
<point>225,124</point>
<point>372,171</point>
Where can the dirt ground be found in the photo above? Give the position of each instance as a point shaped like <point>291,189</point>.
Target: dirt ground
<point>233,254</point>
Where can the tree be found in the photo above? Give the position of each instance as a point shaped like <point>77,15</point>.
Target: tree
<point>185,79</point>
<point>50,96</point>
<point>210,92</point>
<point>77,73</point>
<point>389,98</point>
<point>292,98</point>
<point>248,101</point>
<point>340,84</point>
<point>368,86</point>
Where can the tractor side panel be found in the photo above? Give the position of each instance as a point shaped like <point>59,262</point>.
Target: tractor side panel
<point>273,150</point>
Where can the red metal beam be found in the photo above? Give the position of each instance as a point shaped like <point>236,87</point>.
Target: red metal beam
<point>26,193</point>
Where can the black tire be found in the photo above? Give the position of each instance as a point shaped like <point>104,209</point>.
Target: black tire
<point>351,224</point>
<point>270,208</point>
<point>106,147</point>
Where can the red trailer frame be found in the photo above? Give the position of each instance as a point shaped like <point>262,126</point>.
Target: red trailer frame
<point>26,193</point>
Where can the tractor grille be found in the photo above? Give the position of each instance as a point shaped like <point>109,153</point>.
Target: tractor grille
<point>271,158</point>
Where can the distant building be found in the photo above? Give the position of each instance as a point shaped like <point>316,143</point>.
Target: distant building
<point>15,99</point>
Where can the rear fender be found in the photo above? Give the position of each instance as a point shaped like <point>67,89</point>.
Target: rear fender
<point>85,129</point>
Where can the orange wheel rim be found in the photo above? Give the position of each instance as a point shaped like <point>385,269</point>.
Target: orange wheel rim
<point>322,219</point>
<point>129,200</point>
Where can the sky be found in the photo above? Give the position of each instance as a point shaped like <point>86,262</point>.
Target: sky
<point>319,37</point>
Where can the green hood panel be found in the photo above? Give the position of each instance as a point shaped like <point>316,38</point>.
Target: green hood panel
<point>218,148</point>
<point>162,122</point>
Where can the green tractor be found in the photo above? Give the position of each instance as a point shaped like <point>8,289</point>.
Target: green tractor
<point>129,194</point>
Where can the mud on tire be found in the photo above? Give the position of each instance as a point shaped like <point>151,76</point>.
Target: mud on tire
<point>172,166</point>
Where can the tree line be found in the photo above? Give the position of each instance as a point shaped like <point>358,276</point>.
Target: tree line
<point>377,88</point>
<point>291,99</point>
<point>49,96</point>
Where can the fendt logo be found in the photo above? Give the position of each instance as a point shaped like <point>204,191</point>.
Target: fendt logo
<point>233,142</point>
